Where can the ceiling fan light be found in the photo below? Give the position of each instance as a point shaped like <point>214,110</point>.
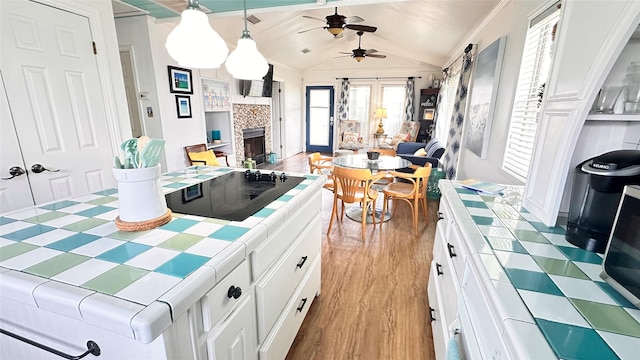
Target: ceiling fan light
<point>246,62</point>
<point>359,58</point>
<point>193,43</point>
<point>335,31</point>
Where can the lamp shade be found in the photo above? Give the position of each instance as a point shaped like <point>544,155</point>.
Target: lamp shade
<point>246,62</point>
<point>381,113</point>
<point>193,43</point>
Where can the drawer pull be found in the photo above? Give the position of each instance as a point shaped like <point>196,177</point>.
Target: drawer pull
<point>304,301</point>
<point>431,312</point>
<point>302,261</point>
<point>440,216</point>
<point>234,292</point>
<point>439,269</point>
<point>451,252</point>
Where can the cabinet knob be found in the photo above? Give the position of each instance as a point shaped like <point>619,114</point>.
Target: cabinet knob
<point>439,269</point>
<point>452,253</point>
<point>234,292</point>
<point>431,312</point>
<point>304,301</point>
<point>302,261</point>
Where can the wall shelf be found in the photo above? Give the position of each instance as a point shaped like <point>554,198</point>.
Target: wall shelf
<point>213,146</point>
<point>613,117</point>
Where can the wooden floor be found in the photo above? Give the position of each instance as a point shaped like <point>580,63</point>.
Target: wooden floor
<point>373,303</point>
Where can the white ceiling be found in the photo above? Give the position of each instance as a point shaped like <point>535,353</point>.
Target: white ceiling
<point>412,33</point>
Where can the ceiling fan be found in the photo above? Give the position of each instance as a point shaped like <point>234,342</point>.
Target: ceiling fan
<point>359,54</point>
<point>336,24</point>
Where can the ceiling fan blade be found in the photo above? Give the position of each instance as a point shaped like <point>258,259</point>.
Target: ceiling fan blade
<point>335,57</point>
<point>304,31</point>
<point>314,18</point>
<point>353,19</point>
<point>371,51</point>
<point>357,27</point>
<point>377,56</point>
<point>344,52</point>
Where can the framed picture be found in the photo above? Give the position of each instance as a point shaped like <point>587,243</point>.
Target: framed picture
<point>436,83</point>
<point>180,80</point>
<point>216,95</point>
<point>482,97</point>
<point>183,104</point>
<point>191,193</point>
<point>428,114</point>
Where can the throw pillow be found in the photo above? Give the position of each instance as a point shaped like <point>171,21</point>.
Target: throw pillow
<point>397,139</point>
<point>350,140</point>
<point>420,152</point>
<point>208,157</point>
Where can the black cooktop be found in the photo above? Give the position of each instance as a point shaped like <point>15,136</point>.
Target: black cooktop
<point>234,196</point>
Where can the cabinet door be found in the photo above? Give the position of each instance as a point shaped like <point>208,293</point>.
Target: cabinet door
<point>438,328</point>
<point>236,337</point>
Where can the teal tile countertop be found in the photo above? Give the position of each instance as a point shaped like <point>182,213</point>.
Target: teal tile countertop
<point>75,245</point>
<point>579,315</point>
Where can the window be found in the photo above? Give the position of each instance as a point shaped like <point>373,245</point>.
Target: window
<point>534,71</point>
<point>448,98</point>
<point>393,99</point>
<point>360,105</point>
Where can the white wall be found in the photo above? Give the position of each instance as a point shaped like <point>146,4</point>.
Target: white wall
<point>511,21</point>
<point>293,119</point>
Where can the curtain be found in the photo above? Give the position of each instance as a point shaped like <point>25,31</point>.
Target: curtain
<point>440,105</point>
<point>452,152</point>
<point>343,101</point>
<point>411,95</point>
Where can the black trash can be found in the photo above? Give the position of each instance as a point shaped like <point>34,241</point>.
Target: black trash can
<point>597,188</point>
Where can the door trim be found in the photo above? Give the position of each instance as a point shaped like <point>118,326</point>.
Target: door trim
<point>328,148</point>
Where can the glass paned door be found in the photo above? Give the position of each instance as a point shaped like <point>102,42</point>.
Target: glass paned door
<point>320,119</point>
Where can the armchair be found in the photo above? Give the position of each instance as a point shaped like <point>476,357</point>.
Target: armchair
<point>350,135</point>
<point>433,151</point>
<point>408,133</point>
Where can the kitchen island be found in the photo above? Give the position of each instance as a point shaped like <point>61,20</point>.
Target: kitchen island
<point>194,288</point>
<point>503,285</point>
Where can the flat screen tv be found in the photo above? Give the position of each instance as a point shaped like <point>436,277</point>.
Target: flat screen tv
<point>257,88</point>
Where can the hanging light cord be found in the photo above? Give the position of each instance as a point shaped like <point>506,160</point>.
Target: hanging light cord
<point>245,32</point>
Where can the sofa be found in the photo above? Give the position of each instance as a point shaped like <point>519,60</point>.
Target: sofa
<point>433,151</point>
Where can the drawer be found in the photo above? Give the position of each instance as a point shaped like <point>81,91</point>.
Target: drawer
<point>277,344</point>
<point>265,254</point>
<point>277,286</point>
<point>456,251</point>
<point>220,300</point>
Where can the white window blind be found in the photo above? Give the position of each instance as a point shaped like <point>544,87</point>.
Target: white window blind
<point>448,98</point>
<point>534,71</point>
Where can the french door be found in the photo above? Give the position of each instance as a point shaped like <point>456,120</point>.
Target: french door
<point>320,101</point>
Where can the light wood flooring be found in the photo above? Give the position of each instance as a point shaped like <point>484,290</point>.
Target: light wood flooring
<point>373,302</point>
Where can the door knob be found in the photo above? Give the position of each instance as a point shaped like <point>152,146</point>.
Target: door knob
<point>37,168</point>
<point>15,171</point>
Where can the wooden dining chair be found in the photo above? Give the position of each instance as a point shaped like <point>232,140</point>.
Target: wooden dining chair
<point>202,157</point>
<point>319,164</point>
<point>413,191</point>
<point>354,186</point>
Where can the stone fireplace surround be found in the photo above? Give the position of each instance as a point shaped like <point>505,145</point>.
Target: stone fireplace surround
<point>248,116</point>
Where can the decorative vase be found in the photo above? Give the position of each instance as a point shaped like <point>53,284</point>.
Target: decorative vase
<point>433,191</point>
<point>140,196</point>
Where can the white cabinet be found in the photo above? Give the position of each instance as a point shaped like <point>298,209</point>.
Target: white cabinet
<point>236,337</point>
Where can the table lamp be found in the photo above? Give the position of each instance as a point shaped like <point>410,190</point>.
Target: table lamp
<point>381,113</point>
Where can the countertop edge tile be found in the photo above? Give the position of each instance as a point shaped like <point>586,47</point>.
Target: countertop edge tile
<point>190,290</point>
<point>151,321</point>
<point>531,344</point>
<point>60,298</point>
<point>254,237</point>
<point>109,313</point>
<point>228,259</point>
<point>19,286</point>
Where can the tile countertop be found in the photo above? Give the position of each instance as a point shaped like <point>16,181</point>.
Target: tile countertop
<point>547,292</point>
<point>68,256</point>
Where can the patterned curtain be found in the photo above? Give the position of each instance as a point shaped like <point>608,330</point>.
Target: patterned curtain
<point>445,76</point>
<point>452,152</point>
<point>411,95</point>
<point>343,102</point>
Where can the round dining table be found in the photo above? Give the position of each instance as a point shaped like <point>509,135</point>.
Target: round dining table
<point>360,161</point>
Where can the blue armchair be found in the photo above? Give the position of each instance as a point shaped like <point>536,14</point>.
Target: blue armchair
<point>434,150</point>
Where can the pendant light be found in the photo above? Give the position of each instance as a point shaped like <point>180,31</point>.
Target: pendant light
<point>193,43</point>
<point>246,62</point>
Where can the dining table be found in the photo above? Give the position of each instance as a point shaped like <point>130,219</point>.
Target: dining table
<point>361,161</point>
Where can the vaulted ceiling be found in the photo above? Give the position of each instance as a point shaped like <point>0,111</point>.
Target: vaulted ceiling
<point>411,33</point>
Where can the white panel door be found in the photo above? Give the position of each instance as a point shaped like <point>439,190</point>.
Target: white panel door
<point>14,190</point>
<point>52,84</point>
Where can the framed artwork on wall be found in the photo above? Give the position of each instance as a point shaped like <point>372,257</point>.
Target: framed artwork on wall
<point>183,105</point>
<point>483,93</point>
<point>428,114</point>
<point>180,80</point>
<point>216,95</point>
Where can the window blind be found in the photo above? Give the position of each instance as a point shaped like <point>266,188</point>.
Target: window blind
<point>534,71</point>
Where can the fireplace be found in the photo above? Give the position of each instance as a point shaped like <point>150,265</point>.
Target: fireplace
<point>254,144</point>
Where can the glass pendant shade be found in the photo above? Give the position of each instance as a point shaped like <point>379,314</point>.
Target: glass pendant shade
<point>246,62</point>
<point>193,43</point>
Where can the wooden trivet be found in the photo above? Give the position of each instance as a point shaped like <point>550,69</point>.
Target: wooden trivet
<point>143,225</point>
